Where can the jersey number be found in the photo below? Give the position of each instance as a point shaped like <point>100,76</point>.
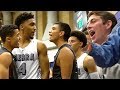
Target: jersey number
<point>22,69</point>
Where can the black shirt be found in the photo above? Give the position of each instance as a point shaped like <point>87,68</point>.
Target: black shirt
<point>56,69</point>
<point>12,68</point>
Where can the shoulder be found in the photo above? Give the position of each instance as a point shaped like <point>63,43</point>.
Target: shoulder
<point>5,54</point>
<point>89,60</point>
<point>6,59</point>
<point>66,55</point>
<point>65,51</point>
<point>41,46</point>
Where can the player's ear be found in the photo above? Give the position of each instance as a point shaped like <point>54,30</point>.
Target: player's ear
<point>81,44</point>
<point>21,26</point>
<point>8,39</point>
<point>62,33</point>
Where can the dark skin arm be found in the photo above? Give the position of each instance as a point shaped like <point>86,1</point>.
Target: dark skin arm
<point>43,60</point>
<point>65,61</point>
<point>5,61</point>
<point>90,65</point>
<point>4,73</point>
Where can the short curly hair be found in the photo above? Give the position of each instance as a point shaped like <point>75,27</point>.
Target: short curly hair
<point>7,30</point>
<point>80,36</point>
<point>23,17</point>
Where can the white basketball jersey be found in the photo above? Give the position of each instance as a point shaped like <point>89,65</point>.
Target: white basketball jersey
<point>82,74</point>
<point>27,61</point>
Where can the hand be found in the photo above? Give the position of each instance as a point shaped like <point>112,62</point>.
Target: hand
<point>89,43</point>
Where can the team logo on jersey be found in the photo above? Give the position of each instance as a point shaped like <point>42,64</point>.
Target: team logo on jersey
<point>25,57</point>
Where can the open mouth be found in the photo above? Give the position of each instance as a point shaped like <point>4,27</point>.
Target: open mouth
<point>91,33</point>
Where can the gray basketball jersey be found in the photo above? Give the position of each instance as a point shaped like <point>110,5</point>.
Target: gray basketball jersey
<point>82,74</point>
<point>27,61</point>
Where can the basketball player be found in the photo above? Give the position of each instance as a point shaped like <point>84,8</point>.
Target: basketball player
<point>64,61</point>
<point>86,65</point>
<point>10,37</point>
<point>32,60</point>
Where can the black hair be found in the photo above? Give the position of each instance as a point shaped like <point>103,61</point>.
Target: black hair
<point>23,17</point>
<point>80,36</point>
<point>66,28</point>
<point>7,30</point>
